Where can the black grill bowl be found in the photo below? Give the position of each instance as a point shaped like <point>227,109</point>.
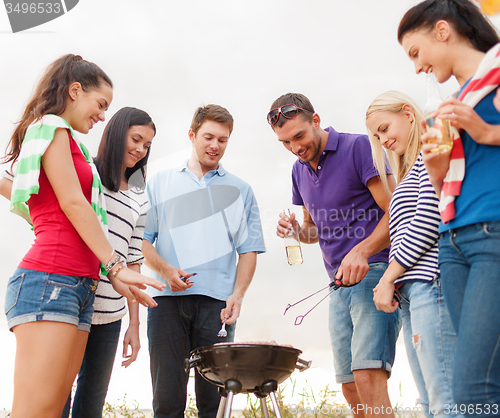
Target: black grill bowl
<point>249,363</point>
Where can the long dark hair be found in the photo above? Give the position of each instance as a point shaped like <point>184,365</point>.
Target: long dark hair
<point>109,159</point>
<point>51,94</point>
<point>463,15</point>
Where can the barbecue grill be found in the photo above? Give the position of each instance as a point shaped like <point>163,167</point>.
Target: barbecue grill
<point>246,368</point>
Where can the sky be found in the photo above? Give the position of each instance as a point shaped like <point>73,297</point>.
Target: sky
<point>169,57</point>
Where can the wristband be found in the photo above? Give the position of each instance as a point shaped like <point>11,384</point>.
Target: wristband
<point>111,263</point>
<point>8,175</point>
<point>122,265</point>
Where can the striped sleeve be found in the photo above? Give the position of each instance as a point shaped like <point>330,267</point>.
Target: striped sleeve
<point>414,223</point>
<point>126,215</point>
<point>134,255</point>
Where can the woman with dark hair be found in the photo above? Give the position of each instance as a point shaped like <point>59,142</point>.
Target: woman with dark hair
<point>49,298</point>
<point>110,156</point>
<point>452,38</point>
<point>121,161</point>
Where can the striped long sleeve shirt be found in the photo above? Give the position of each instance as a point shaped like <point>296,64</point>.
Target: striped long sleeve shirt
<point>413,222</point>
<point>126,219</point>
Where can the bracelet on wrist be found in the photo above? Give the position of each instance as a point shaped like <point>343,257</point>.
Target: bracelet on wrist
<point>122,265</point>
<point>8,175</point>
<point>111,263</point>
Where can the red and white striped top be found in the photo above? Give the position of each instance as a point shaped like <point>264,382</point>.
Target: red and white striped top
<point>486,79</point>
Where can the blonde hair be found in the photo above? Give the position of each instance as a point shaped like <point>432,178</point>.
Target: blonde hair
<point>395,101</point>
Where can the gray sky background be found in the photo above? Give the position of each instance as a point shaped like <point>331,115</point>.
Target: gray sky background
<point>170,57</point>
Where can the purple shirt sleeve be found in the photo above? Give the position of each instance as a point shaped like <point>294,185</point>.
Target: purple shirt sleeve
<point>363,160</point>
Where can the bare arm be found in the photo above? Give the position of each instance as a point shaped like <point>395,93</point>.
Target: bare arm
<point>5,187</point>
<point>465,117</point>
<point>131,337</point>
<point>6,191</point>
<point>173,275</point>
<point>60,170</point>
<point>244,275</point>
<point>354,266</point>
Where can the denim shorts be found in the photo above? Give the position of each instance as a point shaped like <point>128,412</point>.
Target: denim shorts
<point>36,296</point>
<point>362,337</point>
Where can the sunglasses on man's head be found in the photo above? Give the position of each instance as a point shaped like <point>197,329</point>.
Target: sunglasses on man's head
<point>288,111</point>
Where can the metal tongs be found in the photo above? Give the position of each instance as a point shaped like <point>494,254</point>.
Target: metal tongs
<point>334,285</point>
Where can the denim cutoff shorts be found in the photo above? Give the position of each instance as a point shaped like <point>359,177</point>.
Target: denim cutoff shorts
<point>36,296</point>
<point>362,337</point>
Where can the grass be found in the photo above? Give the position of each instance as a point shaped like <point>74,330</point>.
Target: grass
<point>324,403</point>
<point>122,409</point>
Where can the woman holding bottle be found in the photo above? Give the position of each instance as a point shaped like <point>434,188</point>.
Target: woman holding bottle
<point>49,298</point>
<point>453,39</point>
<point>394,123</point>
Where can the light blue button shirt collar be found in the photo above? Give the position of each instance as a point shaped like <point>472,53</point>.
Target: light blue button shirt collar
<point>221,171</point>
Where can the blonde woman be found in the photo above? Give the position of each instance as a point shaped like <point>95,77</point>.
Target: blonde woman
<point>394,128</point>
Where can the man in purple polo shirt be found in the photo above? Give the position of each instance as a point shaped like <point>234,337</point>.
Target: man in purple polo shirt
<point>345,210</point>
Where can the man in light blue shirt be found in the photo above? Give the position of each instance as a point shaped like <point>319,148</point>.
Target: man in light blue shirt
<point>204,221</point>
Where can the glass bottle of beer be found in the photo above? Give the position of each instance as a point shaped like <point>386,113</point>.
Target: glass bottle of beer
<point>292,245</point>
<point>444,132</point>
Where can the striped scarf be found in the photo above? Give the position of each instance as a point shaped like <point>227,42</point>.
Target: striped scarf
<point>486,79</point>
<point>27,171</point>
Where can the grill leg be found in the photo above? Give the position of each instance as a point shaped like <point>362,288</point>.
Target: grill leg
<point>276,407</point>
<point>226,401</point>
<point>222,407</point>
<point>228,405</point>
<point>263,406</point>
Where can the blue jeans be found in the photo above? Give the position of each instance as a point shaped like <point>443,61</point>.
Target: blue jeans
<point>362,337</point>
<point>469,259</point>
<point>430,341</point>
<point>95,372</point>
<point>178,325</point>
